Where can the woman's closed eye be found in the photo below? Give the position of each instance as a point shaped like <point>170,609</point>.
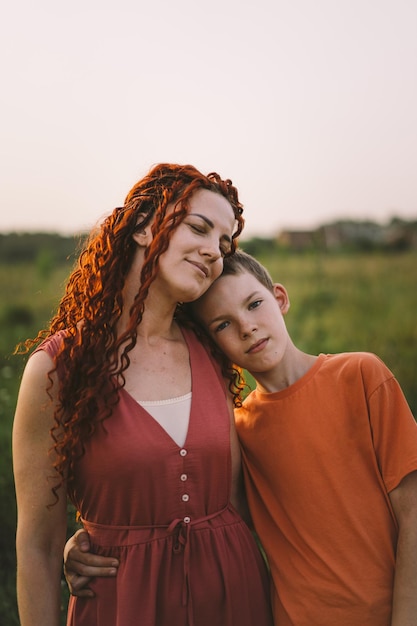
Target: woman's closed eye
<point>198,229</point>
<point>225,248</point>
<point>224,244</point>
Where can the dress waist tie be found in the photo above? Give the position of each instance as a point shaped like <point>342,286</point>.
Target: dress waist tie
<point>183,535</point>
<point>178,526</point>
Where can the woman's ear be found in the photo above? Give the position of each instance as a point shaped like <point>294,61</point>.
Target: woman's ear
<point>143,235</point>
<point>281,296</point>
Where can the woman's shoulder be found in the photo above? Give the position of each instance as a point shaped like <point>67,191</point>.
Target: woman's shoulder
<point>52,344</point>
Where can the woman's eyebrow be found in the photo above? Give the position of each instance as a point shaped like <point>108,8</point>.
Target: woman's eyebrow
<point>210,223</point>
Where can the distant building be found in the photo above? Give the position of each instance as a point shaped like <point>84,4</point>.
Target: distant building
<point>297,239</point>
<point>398,235</point>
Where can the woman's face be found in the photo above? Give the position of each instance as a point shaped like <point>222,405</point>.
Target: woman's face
<point>194,258</point>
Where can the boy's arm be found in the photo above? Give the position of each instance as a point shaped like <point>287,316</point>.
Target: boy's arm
<point>404,502</point>
<point>80,565</point>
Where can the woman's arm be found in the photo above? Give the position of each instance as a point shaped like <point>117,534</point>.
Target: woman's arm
<point>41,526</point>
<point>404,503</point>
<point>238,494</point>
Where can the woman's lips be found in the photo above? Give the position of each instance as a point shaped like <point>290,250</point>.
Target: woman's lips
<point>203,269</point>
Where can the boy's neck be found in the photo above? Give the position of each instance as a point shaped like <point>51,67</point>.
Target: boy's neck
<point>285,375</point>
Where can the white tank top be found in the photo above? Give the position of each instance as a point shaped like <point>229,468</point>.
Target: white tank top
<point>172,414</point>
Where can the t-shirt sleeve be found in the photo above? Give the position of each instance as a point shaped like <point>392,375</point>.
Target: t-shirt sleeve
<point>394,431</point>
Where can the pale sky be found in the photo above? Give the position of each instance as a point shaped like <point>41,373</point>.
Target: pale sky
<point>309,106</point>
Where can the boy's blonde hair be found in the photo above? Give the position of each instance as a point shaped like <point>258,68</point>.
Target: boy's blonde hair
<point>241,262</point>
<point>237,263</point>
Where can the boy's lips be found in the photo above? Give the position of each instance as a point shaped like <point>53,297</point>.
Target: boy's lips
<point>258,346</point>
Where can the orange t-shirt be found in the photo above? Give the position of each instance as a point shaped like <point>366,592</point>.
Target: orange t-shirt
<point>319,459</point>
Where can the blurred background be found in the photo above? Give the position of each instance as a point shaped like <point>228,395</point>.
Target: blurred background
<point>309,107</point>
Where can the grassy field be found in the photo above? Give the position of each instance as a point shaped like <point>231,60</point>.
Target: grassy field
<point>339,302</point>
<point>354,302</point>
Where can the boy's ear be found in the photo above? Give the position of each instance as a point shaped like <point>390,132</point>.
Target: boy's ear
<point>143,236</point>
<point>281,296</point>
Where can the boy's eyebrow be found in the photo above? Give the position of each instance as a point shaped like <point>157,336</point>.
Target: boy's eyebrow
<point>210,223</point>
<point>221,316</point>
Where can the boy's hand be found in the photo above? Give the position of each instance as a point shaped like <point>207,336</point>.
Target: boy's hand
<point>80,565</point>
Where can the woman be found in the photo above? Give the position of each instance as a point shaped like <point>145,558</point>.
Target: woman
<point>123,409</point>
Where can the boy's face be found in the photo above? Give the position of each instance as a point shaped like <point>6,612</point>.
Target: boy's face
<point>245,319</point>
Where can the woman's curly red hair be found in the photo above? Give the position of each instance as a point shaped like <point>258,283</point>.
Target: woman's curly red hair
<point>93,356</point>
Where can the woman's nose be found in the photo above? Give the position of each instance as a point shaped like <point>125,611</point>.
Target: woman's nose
<point>211,249</point>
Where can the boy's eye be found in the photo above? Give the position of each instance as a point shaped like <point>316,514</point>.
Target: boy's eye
<point>221,326</point>
<point>255,304</point>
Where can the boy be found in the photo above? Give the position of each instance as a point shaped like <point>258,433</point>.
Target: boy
<point>330,460</point>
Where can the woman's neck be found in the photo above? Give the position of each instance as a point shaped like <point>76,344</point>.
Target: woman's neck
<point>158,314</point>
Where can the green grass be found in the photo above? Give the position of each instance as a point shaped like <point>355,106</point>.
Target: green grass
<point>350,302</point>
<point>27,301</point>
<point>339,302</point>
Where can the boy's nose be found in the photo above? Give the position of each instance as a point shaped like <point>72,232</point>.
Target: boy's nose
<point>247,328</point>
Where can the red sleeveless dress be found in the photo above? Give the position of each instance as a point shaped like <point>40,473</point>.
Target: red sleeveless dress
<point>186,556</point>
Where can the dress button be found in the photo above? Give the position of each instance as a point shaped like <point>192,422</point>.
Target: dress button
<point>183,477</point>
<point>183,452</point>
<point>185,497</point>
<point>187,519</point>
